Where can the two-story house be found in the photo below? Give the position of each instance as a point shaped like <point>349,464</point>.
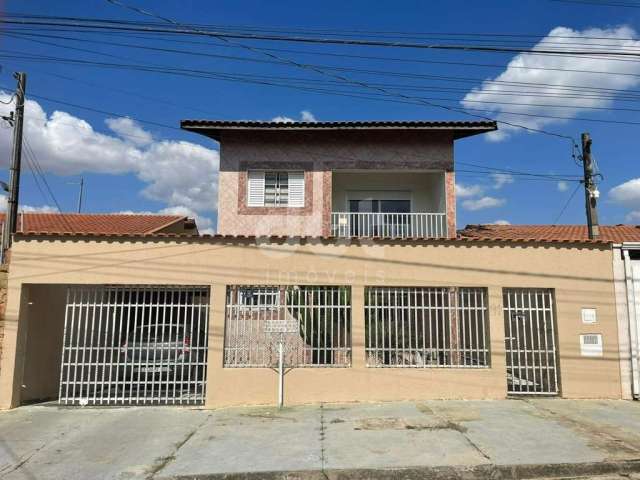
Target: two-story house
<point>336,252</point>
<point>341,179</point>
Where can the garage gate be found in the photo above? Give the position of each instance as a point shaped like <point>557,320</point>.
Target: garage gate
<point>134,345</point>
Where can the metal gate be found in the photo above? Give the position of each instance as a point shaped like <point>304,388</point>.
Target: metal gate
<point>135,345</point>
<point>426,327</point>
<point>530,341</point>
<point>317,318</point>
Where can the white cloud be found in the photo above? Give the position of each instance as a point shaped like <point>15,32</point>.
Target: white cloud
<point>482,203</point>
<point>501,179</point>
<point>549,83</point>
<point>27,208</point>
<point>205,224</point>
<point>177,173</point>
<point>465,191</point>
<point>563,186</point>
<point>633,217</point>
<point>305,116</point>
<point>130,131</point>
<point>501,222</point>
<point>282,119</point>
<point>627,194</point>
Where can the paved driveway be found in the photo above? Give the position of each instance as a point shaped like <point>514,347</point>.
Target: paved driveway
<point>49,442</point>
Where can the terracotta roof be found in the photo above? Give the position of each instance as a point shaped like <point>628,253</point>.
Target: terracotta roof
<point>102,224</point>
<point>286,238</point>
<point>551,233</point>
<point>214,128</point>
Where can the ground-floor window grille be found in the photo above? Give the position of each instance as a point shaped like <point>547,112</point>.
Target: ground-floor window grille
<point>530,341</point>
<point>135,344</point>
<point>426,327</point>
<point>317,321</point>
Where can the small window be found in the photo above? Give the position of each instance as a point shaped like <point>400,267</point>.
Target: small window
<point>258,296</point>
<point>275,189</point>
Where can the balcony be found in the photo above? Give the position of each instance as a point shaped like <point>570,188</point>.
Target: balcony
<point>388,204</point>
<point>388,225</point>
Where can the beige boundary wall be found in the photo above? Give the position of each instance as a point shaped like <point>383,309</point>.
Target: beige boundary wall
<point>581,276</point>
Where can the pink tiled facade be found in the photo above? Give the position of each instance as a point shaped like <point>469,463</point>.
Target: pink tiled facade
<point>319,154</point>
<point>450,192</point>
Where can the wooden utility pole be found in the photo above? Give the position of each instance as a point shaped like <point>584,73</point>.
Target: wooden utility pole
<point>590,190</point>
<point>11,218</point>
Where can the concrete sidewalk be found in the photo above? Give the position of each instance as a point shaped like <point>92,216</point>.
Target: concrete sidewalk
<point>445,439</point>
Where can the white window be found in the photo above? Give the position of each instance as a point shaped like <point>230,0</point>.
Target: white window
<point>258,296</point>
<point>275,189</point>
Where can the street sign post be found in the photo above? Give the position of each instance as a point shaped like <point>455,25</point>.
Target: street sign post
<point>279,328</point>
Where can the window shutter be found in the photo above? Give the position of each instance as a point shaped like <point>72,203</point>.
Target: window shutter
<point>296,189</point>
<point>255,189</point>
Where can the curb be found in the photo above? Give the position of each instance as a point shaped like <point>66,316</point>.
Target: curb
<point>477,472</point>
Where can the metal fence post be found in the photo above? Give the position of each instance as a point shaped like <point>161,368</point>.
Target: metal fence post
<point>358,359</point>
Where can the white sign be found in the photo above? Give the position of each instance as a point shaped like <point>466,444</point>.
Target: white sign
<point>591,345</point>
<point>589,315</point>
<point>281,326</point>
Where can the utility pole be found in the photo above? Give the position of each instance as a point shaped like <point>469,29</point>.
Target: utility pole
<point>11,219</point>
<point>590,189</point>
<point>81,195</point>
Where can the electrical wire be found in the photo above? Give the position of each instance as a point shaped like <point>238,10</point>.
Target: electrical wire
<point>149,27</point>
<point>322,30</point>
<point>38,168</point>
<point>412,100</point>
<point>11,99</point>
<point>555,221</point>
<point>182,29</point>
<point>339,77</point>
<point>387,72</point>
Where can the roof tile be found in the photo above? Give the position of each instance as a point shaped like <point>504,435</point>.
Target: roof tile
<point>551,233</point>
<point>104,224</point>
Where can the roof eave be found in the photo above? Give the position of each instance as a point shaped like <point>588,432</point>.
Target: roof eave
<point>215,131</point>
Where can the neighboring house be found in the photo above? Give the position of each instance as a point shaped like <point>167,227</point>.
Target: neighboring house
<point>338,241</point>
<point>343,179</point>
<point>104,223</point>
<point>625,240</point>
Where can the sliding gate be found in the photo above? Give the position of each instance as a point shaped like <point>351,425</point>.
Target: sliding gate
<point>134,344</point>
<point>530,341</point>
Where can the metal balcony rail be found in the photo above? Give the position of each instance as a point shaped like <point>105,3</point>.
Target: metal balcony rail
<point>388,225</point>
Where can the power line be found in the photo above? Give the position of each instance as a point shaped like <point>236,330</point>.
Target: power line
<point>350,69</point>
<point>323,30</point>
<point>342,78</point>
<point>36,164</point>
<point>555,221</point>
<point>579,93</point>
<point>35,178</point>
<point>20,21</point>
<point>314,40</point>
<point>412,100</point>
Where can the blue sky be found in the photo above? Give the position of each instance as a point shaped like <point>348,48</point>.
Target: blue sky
<point>132,166</point>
